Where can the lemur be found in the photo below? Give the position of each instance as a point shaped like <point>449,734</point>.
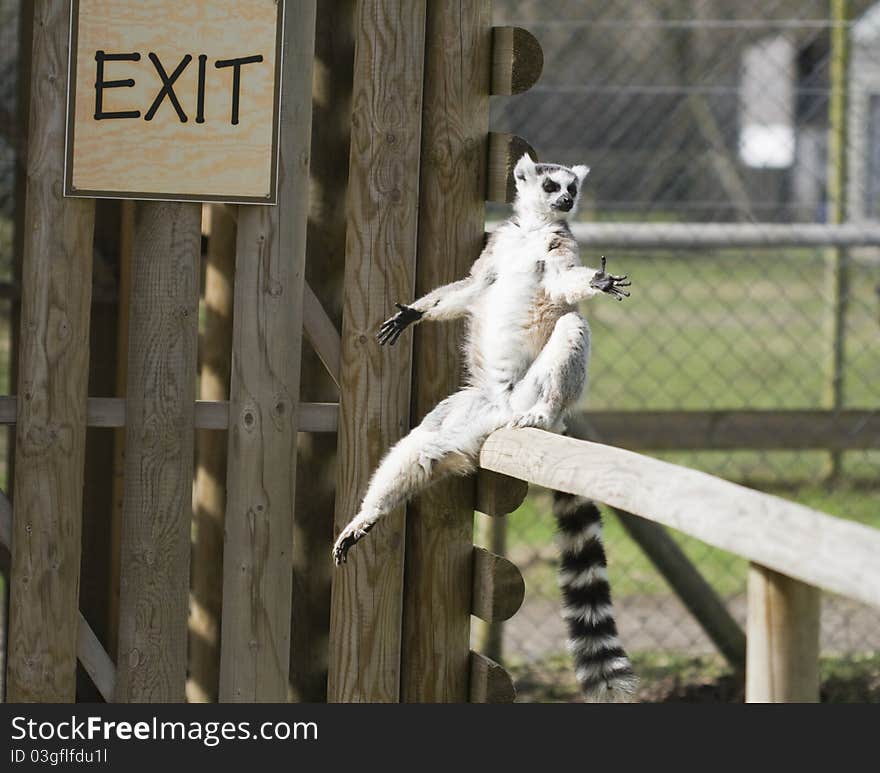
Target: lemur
<point>526,354</point>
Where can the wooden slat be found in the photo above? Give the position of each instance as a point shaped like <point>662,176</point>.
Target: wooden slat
<point>53,377</point>
<point>499,588</point>
<point>383,201</point>
<point>783,639</point>
<point>729,430</point>
<point>504,151</point>
<point>322,333</point>
<point>499,495</point>
<point>490,683</point>
<point>261,476</point>
<point>157,509</point>
<point>517,60</point>
<point>440,523</point>
<point>813,547</point>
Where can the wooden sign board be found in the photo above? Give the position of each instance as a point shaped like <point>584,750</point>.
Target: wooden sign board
<point>174,100</point>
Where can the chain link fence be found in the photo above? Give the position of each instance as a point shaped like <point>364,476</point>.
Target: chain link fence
<point>701,113</point>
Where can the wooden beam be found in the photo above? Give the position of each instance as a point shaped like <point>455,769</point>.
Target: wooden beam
<point>499,495</point>
<point>499,587</point>
<point>53,378</point>
<point>365,622</point>
<point>490,683</point>
<point>440,522</point>
<point>696,594</point>
<point>783,639</point>
<point>728,430</point>
<point>813,547</point>
<point>159,446</point>
<point>321,333</point>
<point>504,151</point>
<point>517,60</point>
<point>266,352</point>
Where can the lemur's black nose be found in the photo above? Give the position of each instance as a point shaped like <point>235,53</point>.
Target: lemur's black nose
<point>565,203</point>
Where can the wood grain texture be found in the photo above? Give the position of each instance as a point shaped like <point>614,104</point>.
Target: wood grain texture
<point>210,487</point>
<point>383,201</point>
<point>504,151</point>
<point>499,587</point>
<point>53,380</point>
<point>728,430</point>
<point>517,61</point>
<point>261,476</point>
<point>489,682</point>
<point>783,639</point>
<point>321,333</point>
<point>157,508</point>
<point>440,522</point>
<point>791,539</point>
<point>499,495</point>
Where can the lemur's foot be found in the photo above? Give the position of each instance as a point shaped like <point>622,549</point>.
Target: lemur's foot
<point>611,284</point>
<point>350,536</point>
<point>391,329</point>
<point>534,418</point>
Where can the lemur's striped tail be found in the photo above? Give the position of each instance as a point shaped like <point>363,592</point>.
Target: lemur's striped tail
<point>601,665</point>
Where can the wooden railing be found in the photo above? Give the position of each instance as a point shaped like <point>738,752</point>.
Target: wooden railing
<point>794,550</point>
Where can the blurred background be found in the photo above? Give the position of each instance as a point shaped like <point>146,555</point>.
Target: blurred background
<point>704,112</point>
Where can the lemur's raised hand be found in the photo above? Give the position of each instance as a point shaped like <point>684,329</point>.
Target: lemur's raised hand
<point>526,351</point>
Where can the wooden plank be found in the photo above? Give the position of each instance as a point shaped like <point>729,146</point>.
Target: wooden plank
<point>499,587</point>
<point>261,476</point>
<point>696,594</point>
<point>504,151</point>
<point>321,333</point>
<point>728,430</point>
<point>490,683</point>
<point>440,522</point>
<point>499,495</point>
<point>365,623</point>
<point>53,378</point>
<point>517,60</point>
<point>813,547</point>
<point>783,639</point>
<point>210,487</point>
<point>157,509</point>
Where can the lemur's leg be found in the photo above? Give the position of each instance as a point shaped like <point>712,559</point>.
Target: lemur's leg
<point>556,378</point>
<point>446,442</point>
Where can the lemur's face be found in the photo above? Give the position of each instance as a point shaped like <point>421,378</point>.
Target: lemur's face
<point>549,190</point>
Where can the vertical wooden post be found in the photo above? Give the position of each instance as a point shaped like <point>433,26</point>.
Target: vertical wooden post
<point>782,664</point>
<point>490,635</point>
<point>52,386</point>
<point>157,507</point>
<point>269,273</point>
<point>207,560</point>
<point>383,203</point>
<point>837,258</point>
<point>440,523</point>
<point>325,266</point>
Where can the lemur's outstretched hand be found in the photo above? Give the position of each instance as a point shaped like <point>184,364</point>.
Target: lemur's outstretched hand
<point>391,329</point>
<point>608,283</point>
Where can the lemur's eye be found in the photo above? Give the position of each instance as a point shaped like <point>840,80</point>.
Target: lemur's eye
<point>550,186</point>
<point>572,190</point>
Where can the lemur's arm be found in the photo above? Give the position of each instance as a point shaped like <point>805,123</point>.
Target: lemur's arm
<point>576,283</point>
<point>448,302</point>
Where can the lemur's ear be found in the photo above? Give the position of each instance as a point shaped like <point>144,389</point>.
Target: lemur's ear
<point>581,172</point>
<point>524,168</point>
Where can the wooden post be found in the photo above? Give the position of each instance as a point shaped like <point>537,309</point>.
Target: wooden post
<point>157,508</point>
<point>440,523</point>
<point>52,383</point>
<point>490,635</point>
<point>325,266</point>
<point>783,639</point>
<point>381,240</point>
<point>207,560</point>
<point>837,258</point>
<point>264,402</point>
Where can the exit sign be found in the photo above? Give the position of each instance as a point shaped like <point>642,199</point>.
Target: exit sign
<point>174,100</point>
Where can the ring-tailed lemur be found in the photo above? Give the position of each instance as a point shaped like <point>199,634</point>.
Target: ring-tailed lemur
<point>526,351</point>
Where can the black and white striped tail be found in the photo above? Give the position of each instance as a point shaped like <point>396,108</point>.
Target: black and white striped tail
<point>601,665</point>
